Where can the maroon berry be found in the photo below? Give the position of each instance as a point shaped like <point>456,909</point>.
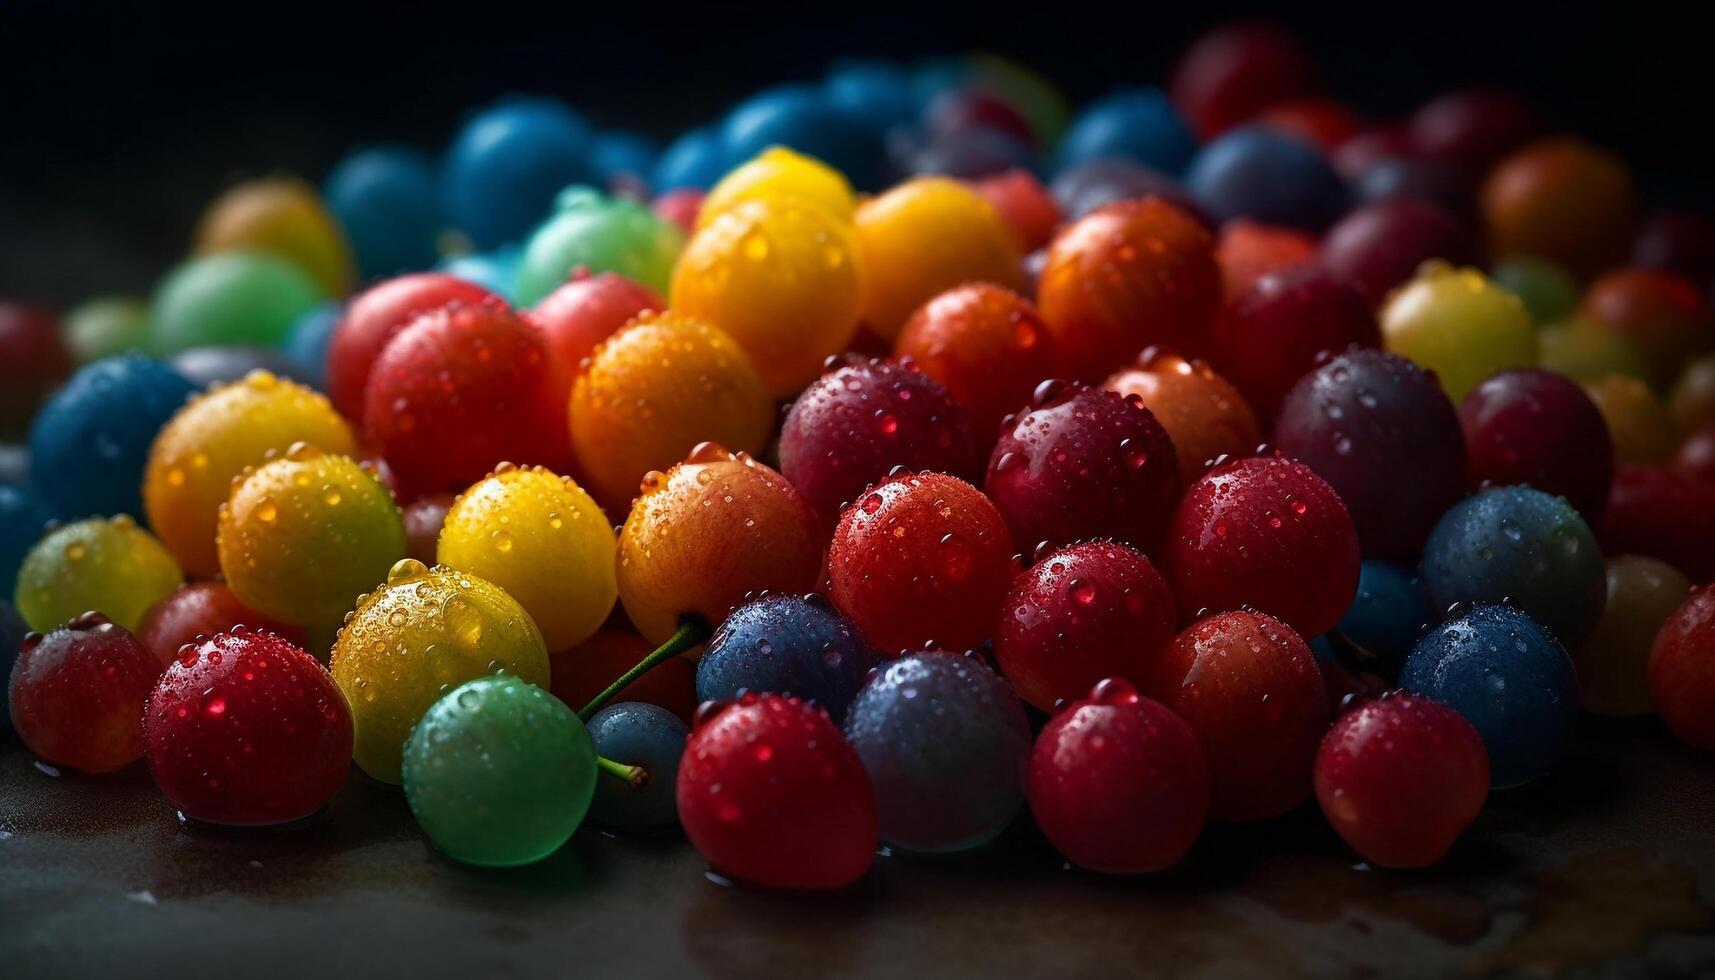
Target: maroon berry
<point>1278,329</point>
<point>1377,247</point>
<point>1538,428</point>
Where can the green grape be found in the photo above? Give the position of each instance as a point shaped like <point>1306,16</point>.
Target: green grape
<point>107,565</point>
<point>1547,291</point>
<point>230,298</point>
<point>1460,325</point>
<point>602,234</point>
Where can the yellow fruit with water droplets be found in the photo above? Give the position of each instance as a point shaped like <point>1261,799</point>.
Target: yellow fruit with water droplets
<point>107,565</point>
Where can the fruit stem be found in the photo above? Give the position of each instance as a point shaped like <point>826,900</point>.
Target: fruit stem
<point>693,630</point>
<point>636,777</point>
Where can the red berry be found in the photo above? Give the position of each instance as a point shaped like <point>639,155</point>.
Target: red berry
<point>1246,251</point>
<point>1682,670</point>
<point>770,793</point>
<point>1269,337</point>
<point>921,559</point>
<point>461,389</point>
<point>1118,784</point>
<point>1084,462</point>
<point>1538,428</point>
<point>1377,247</point>
<point>587,310</point>
<point>1264,533</point>
<point>1473,128</point>
<point>1083,613</point>
<point>246,728</point>
<point>1662,513</point>
<point>1323,122</point>
<point>33,361</point>
<point>987,344</point>
<point>371,320</point>
<point>1236,71</point>
<point>78,693</point>
<point>197,610</point>
<point>853,425</point>
<point>1400,778</point>
<point>1249,687</point>
<point>1024,204</point>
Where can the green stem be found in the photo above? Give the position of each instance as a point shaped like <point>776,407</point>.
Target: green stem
<point>636,777</point>
<point>693,630</point>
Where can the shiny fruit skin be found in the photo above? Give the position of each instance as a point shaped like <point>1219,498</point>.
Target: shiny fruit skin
<point>371,320</point>
<point>284,216</point>
<point>1665,314</point>
<point>1203,414</point>
<point>202,609</point>
<point>1639,426</point>
<point>987,344</point>
<point>1214,675</point>
<point>106,565</point>
<point>1083,613</point>
<point>1278,330</point>
<point>1379,246</point>
<point>634,733</point>
<point>1247,250</point>
<point>1400,777</point>
<point>1118,783</point>
<point>786,644</point>
<point>1538,428</point>
<point>1460,325</point>
<point>1682,670</point>
<point>77,694</point>
<point>575,318</point>
<point>246,728</point>
<point>771,794</point>
<point>921,559</point>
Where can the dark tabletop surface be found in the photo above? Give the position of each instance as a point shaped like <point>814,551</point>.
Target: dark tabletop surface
<point>1605,869</point>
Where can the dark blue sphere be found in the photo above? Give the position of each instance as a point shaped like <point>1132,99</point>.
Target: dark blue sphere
<point>1138,125</point>
<point>22,521</point>
<point>90,442</point>
<point>620,154</point>
<point>696,159</point>
<point>1523,546</point>
<point>388,200</point>
<point>508,163</point>
<point>1086,186</point>
<point>945,742</point>
<point>637,734</point>
<point>1254,173</point>
<point>876,93</point>
<point>786,644</point>
<point>1510,678</point>
<point>1395,178</point>
<point>307,344</point>
<point>1388,613</point>
<point>800,117</point>
<point>12,630</point>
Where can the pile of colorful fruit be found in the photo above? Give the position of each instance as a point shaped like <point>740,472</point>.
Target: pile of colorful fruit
<point>1263,452</point>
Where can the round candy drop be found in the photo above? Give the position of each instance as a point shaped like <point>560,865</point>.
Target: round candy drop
<point>1666,315</point>
<point>1266,176</point>
<point>1377,247</point>
<point>33,361</point>
<point>1237,70</point>
<point>575,318</point>
<point>388,201</point>
<point>1538,428</point>
<point>1563,200</point>
<point>778,174</point>
<point>1280,328</point>
<point>507,164</point>
<point>1638,422</point>
<point>108,565</point>
<point>1664,513</point>
<point>373,317</point>
<point>230,298</point>
<point>1682,670</point>
<point>77,694</point>
<point>198,610</point>
<point>106,326</point>
<point>986,344</point>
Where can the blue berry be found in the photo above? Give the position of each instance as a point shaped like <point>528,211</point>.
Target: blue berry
<point>945,742</point>
<point>307,344</point>
<point>1265,176</point>
<point>388,200</point>
<point>508,163</point>
<point>638,734</point>
<point>786,645</point>
<point>1388,613</point>
<point>1138,125</point>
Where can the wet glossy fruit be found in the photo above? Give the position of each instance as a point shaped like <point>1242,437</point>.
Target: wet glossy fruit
<point>499,773</point>
<point>1682,670</point>
<point>229,298</point>
<point>1258,173</point>
<point>852,426</point>
<point>987,344</point>
<point>1203,414</point>
<point>1472,128</point>
<point>1375,248</point>
<point>1664,513</point>
<point>540,537</point>
<point>945,743</point>
<point>635,734</point>
<point>1214,675</point>
<point>709,533</point>
<point>1400,778</point>
<point>77,694</point>
<point>414,639</point>
<point>1024,204</point>
<point>1459,325</point>
<point>1388,614</point>
<point>1511,680</point>
<point>1563,200</point>
<point>282,216</point>
<point>1247,250</point>
<point>109,565</point>
<point>1266,534</point>
<point>1613,664</point>
<point>374,316</point>
<point>575,318</point>
<point>1124,277</point>
<point>921,559</point>
<point>198,610</point>
<point>786,644</point>
<point>584,671</point>
<point>210,442</point>
<point>652,392</point>
<point>1282,327</point>
<point>304,534</point>
<point>769,793</point>
<point>1383,434</point>
<point>1665,314</point>
<point>1083,462</point>
<point>1235,71</point>
<point>1547,291</point>
<point>777,174</point>
<point>588,230</point>
<point>246,728</point>
<point>1082,613</point>
<point>1538,428</point>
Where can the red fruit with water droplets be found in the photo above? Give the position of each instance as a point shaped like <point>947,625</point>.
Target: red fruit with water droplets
<point>1400,778</point>
<point>1083,613</point>
<point>587,310</point>
<point>1249,687</point>
<point>1538,428</point>
<point>921,559</point>
<point>1203,413</point>
<point>1084,462</point>
<point>1268,534</point>
<point>77,694</point>
<point>770,793</point>
<point>246,728</point>
<point>853,425</point>
<point>1377,247</point>
<point>1247,250</point>
<point>1123,277</point>
<point>1663,513</point>
<point>371,320</point>
<point>459,390</point>
<point>579,674</point>
<point>1682,670</point>
<point>1269,337</point>
<point>987,344</point>
<point>197,610</point>
<point>1118,782</point>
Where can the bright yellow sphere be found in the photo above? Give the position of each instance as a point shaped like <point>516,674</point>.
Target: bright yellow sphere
<point>303,536</point>
<point>1460,325</point>
<point>540,537</point>
<point>284,216</point>
<point>211,440</point>
<point>105,564</point>
<point>423,633</point>
<point>776,173</point>
<point>781,278</point>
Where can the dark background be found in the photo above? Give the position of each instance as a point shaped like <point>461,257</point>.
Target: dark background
<point>119,122</point>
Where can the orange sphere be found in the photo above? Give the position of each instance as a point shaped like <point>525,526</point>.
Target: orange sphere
<point>987,344</point>
<point>925,236</point>
<point>709,532</point>
<point>1203,413</point>
<point>1564,200</point>
<point>1247,250</point>
<point>1642,430</point>
<point>1124,277</point>
<point>660,386</point>
<point>1662,312</point>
